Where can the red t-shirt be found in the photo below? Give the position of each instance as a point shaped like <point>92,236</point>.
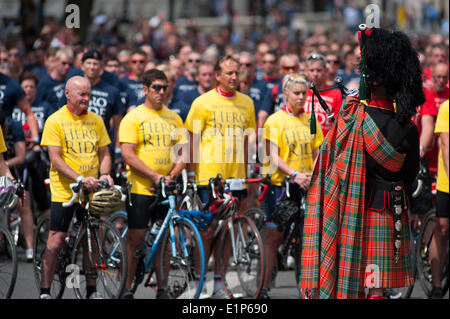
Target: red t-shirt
<point>333,99</point>
<point>433,101</point>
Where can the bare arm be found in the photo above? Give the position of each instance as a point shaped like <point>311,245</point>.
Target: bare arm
<point>426,137</point>
<point>63,168</point>
<point>105,164</point>
<point>20,151</point>
<point>25,107</point>
<point>443,137</point>
<point>4,169</point>
<point>262,117</point>
<point>130,158</point>
<point>116,123</point>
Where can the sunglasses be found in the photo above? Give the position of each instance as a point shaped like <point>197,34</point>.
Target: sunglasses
<point>112,65</point>
<point>290,67</point>
<point>138,61</point>
<point>332,61</point>
<point>194,60</point>
<point>158,87</point>
<point>3,59</point>
<point>248,65</point>
<point>316,57</point>
<point>67,63</point>
<point>270,61</point>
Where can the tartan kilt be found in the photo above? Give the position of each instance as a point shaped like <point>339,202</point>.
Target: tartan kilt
<point>378,250</point>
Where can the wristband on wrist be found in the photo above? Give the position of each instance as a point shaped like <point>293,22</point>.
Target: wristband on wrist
<point>104,174</point>
<point>191,174</point>
<point>422,148</point>
<point>79,178</point>
<point>37,140</point>
<point>293,173</point>
<point>118,150</point>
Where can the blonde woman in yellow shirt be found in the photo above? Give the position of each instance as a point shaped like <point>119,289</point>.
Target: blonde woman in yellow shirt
<point>292,150</point>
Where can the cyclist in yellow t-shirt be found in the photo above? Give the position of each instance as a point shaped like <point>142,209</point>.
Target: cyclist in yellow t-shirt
<point>292,150</point>
<point>77,143</point>
<point>222,120</point>
<point>148,135</point>
<point>440,238</point>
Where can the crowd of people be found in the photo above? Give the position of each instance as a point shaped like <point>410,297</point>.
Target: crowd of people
<point>137,92</point>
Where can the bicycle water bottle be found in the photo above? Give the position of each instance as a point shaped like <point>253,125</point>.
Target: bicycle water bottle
<point>154,232</point>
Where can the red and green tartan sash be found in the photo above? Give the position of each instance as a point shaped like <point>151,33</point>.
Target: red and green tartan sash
<point>332,236</point>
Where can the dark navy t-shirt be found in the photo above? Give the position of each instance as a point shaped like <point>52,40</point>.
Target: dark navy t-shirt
<point>182,105</point>
<point>136,87</point>
<point>105,101</point>
<point>50,90</point>
<point>257,92</point>
<point>41,109</point>
<point>183,85</point>
<point>10,94</point>
<point>108,77</point>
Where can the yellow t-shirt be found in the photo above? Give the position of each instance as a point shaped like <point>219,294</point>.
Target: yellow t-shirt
<point>442,127</point>
<point>79,138</point>
<point>295,142</point>
<point>2,141</point>
<point>154,133</point>
<point>222,124</point>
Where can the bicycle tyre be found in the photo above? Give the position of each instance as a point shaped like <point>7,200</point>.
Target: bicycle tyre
<point>8,264</point>
<point>257,215</point>
<point>110,266</point>
<point>183,274</point>
<point>422,254</point>
<point>244,278</point>
<point>57,286</point>
<point>120,221</point>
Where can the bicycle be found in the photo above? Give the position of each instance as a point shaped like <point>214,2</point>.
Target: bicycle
<point>423,263</point>
<point>94,248</point>
<point>242,259</point>
<point>287,214</point>
<point>182,262</point>
<point>8,253</point>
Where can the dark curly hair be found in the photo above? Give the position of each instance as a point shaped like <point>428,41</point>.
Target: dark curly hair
<point>393,63</point>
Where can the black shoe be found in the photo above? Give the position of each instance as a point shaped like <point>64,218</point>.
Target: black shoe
<point>127,295</point>
<point>164,294</point>
<point>436,293</point>
<point>263,294</point>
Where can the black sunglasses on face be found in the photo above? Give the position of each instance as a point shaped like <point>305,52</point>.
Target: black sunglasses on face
<point>194,60</point>
<point>158,87</point>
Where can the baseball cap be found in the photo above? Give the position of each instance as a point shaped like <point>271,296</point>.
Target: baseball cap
<point>92,54</point>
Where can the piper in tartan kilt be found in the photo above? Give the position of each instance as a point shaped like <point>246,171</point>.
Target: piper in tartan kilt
<point>356,217</point>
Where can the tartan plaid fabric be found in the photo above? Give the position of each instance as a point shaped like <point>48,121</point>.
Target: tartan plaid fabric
<point>332,238</point>
<point>377,250</point>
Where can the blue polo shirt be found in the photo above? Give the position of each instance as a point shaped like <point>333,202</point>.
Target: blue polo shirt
<point>10,94</point>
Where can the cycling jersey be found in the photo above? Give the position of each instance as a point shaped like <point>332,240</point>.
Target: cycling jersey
<point>442,127</point>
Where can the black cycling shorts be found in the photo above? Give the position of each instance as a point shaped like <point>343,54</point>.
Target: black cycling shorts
<point>442,204</point>
<point>139,213</point>
<point>60,217</point>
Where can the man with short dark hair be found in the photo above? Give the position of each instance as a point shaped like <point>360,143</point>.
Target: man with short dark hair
<point>137,62</point>
<point>146,138</point>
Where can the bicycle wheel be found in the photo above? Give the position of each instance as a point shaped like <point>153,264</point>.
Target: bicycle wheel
<point>104,266</point>
<point>257,215</point>
<point>8,264</point>
<point>242,270</point>
<point>423,254</point>
<point>120,221</point>
<point>39,245</point>
<point>183,270</point>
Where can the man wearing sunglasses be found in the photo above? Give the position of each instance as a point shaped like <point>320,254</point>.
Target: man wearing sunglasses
<point>147,136</point>
<point>51,87</point>
<point>274,98</point>
<point>188,81</point>
<point>316,71</point>
<point>138,60</point>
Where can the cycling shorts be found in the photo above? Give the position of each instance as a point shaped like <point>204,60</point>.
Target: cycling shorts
<point>60,217</point>
<point>139,213</point>
<point>442,204</point>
